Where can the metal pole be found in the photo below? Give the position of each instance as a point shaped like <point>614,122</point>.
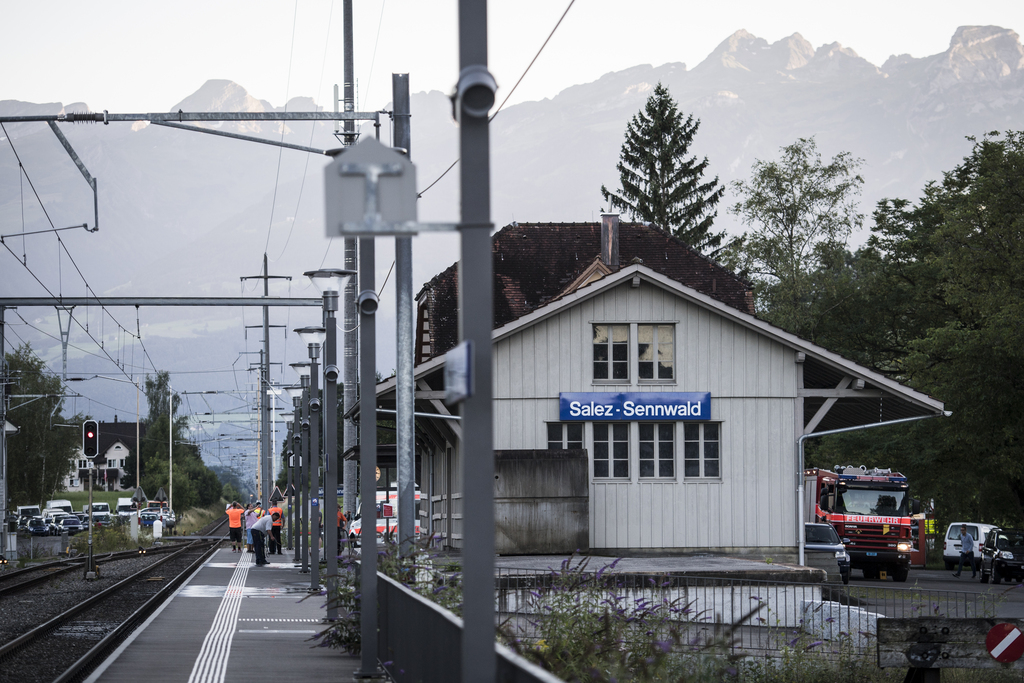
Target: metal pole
<point>90,568</point>
<point>314,471</point>
<point>3,439</point>
<point>405,384</point>
<point>297,467</point>
<point>266,469</point>
<point>304,463</point>
<point>475,323</point>
<point>368,465</point>
<point>330,503</point>
<point>170,449</point>
<point>351,359</point>
<point>138,441</point>
<point>291,508</point>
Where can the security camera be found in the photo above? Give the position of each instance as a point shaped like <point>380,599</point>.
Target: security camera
<point>331,373</point>
<point>474,93</point>
<point>368,302</point>
<point>314,407</point>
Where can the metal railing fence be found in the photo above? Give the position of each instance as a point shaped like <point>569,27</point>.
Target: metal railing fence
<point>742,616</point>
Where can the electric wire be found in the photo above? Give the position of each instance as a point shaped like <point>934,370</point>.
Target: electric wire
<point>373,59</point>
<point>500,107</point>
<point>280,150</point>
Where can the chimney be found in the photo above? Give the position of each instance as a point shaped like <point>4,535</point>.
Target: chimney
<point>610,239</point>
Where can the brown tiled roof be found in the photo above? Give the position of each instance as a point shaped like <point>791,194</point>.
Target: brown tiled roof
<point>534,263</point>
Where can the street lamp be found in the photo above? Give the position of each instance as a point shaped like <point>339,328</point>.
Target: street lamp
<point>313,337</point>
<point>294,514</point>
<point>331,281</point>
<point>303,437</point>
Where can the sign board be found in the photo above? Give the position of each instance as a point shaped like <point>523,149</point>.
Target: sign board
<point>458,373</point>
<point>315,502</point>
<point>370,189</point>
<point>632,406</point>
<point>945,643</point>
<point>1004,643</point>
<point>385,510</point>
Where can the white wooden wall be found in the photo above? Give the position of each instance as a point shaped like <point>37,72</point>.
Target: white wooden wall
<point>752,381</point>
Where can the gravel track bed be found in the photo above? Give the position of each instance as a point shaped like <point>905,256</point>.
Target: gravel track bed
<point>50,656</point>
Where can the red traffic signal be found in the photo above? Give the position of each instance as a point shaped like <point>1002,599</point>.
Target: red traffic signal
<point>90,438</point>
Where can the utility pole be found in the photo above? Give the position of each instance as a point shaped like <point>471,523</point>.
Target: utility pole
<point>404,382</point>
<point>350,359</point>
<point>475,97</point>
<point>3,440</point>
<point>266,467</point>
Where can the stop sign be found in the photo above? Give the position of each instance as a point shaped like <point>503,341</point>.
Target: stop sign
<point>1005,643</point>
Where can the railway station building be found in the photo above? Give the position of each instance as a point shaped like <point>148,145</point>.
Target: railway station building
<point>640,406</point>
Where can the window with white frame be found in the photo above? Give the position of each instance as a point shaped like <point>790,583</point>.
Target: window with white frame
<point>655,352</point>
<point>83,464</point>
<point>701,450</point>
<point>565,435</point>
<point>657,449</point>
<point>611,352</point>
<point>611,449</point>
<point>72,482</point>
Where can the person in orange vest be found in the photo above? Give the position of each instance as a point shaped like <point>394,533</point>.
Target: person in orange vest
<point>275,529</point>
<point>234,513</point>
<point>342,526</point>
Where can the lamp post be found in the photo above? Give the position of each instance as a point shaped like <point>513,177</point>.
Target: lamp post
<point>287,464</point>
<point>302,490</point>
<point>313,337</point>
<point>329,282</point>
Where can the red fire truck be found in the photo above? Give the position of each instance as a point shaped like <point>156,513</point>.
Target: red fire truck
<point>871,511</point>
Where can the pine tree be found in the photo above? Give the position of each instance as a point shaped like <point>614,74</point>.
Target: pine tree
<point>660,184</point>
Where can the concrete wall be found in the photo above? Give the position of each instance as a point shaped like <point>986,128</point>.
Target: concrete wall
<point>541,502</point>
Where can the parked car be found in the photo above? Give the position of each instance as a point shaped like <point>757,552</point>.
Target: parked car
<point>72,525</point>
<point>37,526</point>
<point>1003,556</point>
<point>102,519</point>
<point>147,517</point>
<point>951,545</point>
<point>822,538</point>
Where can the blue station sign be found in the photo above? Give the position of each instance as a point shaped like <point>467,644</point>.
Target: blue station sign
<point>646,405</point>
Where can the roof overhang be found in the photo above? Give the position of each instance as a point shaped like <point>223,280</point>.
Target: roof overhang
<point>849,394</point>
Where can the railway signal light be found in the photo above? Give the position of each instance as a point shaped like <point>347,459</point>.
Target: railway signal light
<point>90,438</point>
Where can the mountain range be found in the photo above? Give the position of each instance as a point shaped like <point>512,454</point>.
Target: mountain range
<point>183,214</point>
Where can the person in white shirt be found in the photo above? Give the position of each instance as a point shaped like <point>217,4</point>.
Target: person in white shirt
<point>260,531</point>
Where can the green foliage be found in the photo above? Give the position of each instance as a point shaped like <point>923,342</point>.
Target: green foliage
<point>800,212</point>
<point>660,184</point>
<point>39,455</point>
<point>158,395</point>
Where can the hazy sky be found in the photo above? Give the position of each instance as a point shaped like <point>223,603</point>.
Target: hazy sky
<point>143,56</point>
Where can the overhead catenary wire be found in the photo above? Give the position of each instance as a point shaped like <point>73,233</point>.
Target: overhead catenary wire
<point>502,105</point>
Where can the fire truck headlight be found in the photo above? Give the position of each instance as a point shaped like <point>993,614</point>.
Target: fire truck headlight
<point>903,547</point>
<point>1006,555</point>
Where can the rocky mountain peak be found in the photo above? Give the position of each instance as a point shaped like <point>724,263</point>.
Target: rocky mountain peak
<point>980,53</point>
<point>220,95</point>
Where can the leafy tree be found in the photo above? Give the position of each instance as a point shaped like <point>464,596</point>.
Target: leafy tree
<point>935,300</point>
<point>800,212</point>
<point>157,389</point>
<point>659,183</point>
<point>39,455</point>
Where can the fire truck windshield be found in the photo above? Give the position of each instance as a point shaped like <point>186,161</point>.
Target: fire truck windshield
<point>873,502</point>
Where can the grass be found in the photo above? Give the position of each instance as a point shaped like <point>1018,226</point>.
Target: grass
<point>194,519</point>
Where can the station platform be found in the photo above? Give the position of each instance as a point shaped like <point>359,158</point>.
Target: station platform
<point>232,622</point>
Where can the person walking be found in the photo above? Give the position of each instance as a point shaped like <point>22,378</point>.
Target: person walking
<point>250,520</point>
<point>275,529</point>
<point>234,513</point>
<point>260,531</point>
<point>966,551</point>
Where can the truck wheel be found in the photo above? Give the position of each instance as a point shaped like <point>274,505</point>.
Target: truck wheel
<point>900,574</point>
<point>846,578</point>
<point>984,576</point>
<point>996,578</point>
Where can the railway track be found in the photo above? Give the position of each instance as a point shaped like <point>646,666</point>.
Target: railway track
<point>68,645</point>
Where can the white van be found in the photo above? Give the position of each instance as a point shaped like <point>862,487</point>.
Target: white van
<point>124,508</point>
<point>60,504</point>
<point>951,544</point>
<point>97,506</point>
<point>29,511</point>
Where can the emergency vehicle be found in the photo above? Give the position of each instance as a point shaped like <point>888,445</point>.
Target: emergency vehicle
<point>871,511</point>
<point>387,516</point>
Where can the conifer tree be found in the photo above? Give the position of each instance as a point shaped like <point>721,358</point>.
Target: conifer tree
<point>660,184</point>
